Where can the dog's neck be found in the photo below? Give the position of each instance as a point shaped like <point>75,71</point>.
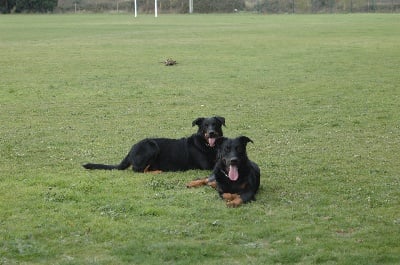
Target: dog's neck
<point>223,171</point>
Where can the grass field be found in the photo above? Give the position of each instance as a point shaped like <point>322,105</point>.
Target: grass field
<point>318,94</point>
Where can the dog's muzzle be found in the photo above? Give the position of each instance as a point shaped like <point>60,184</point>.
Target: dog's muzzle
<point>232,168</point>
<point>210,138</point>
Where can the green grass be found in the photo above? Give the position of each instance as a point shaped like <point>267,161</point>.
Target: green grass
<point>318,94</point>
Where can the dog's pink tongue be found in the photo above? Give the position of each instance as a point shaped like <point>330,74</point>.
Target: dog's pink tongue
<point>211,141</point>
<point>233,173</point>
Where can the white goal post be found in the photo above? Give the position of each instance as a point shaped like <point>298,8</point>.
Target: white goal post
<point>190,6</point>
<point>135,9</point>
<point>156,9</point>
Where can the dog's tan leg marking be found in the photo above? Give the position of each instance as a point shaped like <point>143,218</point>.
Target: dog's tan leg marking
<point>230,196</point>
<point>232,199</point>
<point>212,184</point>
<point>146,170</point>
<point>197,183</point>
<point>237,201</point>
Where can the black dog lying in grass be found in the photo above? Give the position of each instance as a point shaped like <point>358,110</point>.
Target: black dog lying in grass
<point>162,154</point>
<point>237,178</point>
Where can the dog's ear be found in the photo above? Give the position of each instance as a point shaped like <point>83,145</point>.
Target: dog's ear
<point>244,140</point>
<point>220,119</point>
<point>197,122</point>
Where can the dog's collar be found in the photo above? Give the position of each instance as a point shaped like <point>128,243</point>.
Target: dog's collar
<point>223,172</point>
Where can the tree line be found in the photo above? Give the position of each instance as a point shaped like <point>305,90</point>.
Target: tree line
<point>201,6</point>
<point>19,6</point>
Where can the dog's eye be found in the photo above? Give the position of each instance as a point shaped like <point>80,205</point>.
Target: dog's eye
<point>239,149</point>
<point>227,149</point>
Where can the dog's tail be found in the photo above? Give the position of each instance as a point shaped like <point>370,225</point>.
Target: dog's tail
<point>123,165</point>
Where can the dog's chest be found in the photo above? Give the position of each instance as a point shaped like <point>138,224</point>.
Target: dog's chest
<point>226,185</point>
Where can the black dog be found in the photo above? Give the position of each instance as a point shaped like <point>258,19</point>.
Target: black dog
<point>237,177</point>
<point>161,154</point>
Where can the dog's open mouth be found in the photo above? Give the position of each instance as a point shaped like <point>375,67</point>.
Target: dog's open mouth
<point>211,141</point>
<point>233,172</point>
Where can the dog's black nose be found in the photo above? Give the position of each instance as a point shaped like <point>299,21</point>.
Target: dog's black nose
<point>211,134</point>
<point>234,160</point>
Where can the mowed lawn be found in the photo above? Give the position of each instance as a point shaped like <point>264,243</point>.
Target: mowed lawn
<point>318,94</point>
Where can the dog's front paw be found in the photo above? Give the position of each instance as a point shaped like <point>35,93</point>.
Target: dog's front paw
<point>232,199</point>
<point>236,202</point>
<point>228,196</point>
<point>212,184</point>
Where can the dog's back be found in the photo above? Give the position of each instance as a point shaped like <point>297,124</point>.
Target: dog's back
<point>182,154</point>
<point>163,154</point>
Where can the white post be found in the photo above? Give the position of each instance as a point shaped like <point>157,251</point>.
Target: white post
<point>155,8</point>
<point>135,9</point>
<point>190,6</point>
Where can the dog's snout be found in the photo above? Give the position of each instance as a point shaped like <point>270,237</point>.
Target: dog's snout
<point>234,160</point>
<point>211,133</point>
